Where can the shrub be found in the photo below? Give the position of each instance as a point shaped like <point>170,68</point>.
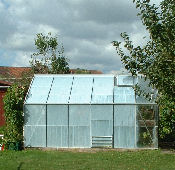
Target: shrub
<point>13,107</point>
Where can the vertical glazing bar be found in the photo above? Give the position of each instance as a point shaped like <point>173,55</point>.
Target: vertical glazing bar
<point>135,121</point>
<point>157,115</point>
<point>46,124</point>
<point>24,121</point>
<point>91,111</point>
<point>68,125</point>
<point>113,117</point>
<point>135,126</point>
<point>156,139</point>
<point>46,107</point>
<point>71,90</point>
<point>92,89</point>
<point>68,108</point>
<point>157,124</point>
<point>50,89</point>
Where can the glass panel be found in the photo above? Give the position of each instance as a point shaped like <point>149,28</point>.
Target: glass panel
<point>146,112</point>
<point>101,112</point>
<point>57,136</point>
<point>57,126</point>
<point>79,129</point>
<point>101,127</point>
<point>143,85</point>
<point>79,115</point>
<point>81,90</point>
<point>35,125</point>
<point>141,100</point>
<point>124,137</point>
<point>34,115</point>
<point>42,80</point>
<point>102,98</point>
<point>145,137</point>
<point>35,136</point>
<point>124,115</point>
<point>124,126</point>
<point>147,126</point>
<point>101,120</point>
<point>60,90</point>
<point>38,92</point>
<point>79,137</point>
<point>57,115</point>
<point>125,80</point>
<point>37,95</point>
<point>124,95</point>
<point>103,90</point>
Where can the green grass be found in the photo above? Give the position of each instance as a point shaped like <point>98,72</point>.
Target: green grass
<point>38,159</point>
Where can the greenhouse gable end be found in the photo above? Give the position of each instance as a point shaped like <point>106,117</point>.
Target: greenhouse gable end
<point>84,111</point>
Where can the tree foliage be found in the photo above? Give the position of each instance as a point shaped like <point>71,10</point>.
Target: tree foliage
<point>13,107</point>
<point>52,59</point>
<point>156,59</point>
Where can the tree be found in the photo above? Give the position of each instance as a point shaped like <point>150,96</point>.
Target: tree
<point>156,59</point>
<point>52,56</point>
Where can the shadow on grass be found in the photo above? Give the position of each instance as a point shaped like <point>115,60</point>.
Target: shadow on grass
<point>20,165</point>
<point>167,145</point>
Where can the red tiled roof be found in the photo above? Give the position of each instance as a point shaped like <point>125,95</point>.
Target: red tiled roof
<point>95,72</point>
<point>13,72</point>
<point>16,72</point>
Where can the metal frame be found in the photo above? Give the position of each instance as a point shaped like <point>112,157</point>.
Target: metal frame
<point>91,104</point>
<point>73,75</point>
<point>28,90</point>
<point>80,75</point>
<point>155,126</point>
<point>113,121</point>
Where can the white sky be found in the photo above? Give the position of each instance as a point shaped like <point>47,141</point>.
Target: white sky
<point>85,27</point>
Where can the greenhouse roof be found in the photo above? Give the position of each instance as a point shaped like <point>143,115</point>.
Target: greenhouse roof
<point>81,89</point>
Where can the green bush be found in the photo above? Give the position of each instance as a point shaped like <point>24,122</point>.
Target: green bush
<point>167,120</point>
<point>13,107</point>
<point>2,128</point>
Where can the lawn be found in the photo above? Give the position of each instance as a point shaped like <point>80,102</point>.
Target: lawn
<point>87,159</point>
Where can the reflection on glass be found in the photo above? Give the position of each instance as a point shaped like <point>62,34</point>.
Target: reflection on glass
<point>146,126</point>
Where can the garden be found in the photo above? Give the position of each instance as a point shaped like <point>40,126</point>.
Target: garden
<point>155,61</point>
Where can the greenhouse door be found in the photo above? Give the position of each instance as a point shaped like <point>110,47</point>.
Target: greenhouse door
<point>102,125</point>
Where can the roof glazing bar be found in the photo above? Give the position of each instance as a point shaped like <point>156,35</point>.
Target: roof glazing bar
<point>29,89</point>
<point>92,89</point>
<point>50,90</point>
<point>71,90</point>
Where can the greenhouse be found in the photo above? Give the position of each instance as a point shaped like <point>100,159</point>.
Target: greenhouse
<point>84,111</point>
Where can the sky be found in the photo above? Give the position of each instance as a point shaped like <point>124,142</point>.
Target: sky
<point>85,27</point>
